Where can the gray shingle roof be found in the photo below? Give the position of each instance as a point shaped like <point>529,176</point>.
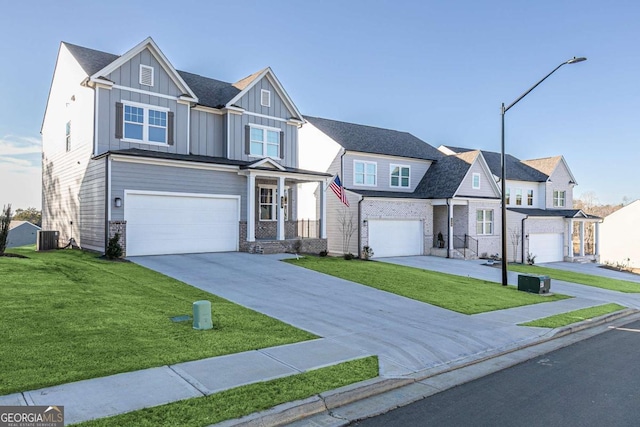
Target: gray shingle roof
<point>210,92</point>
<point>443,178</point>
<point>516,169</point>
<point>369,139</point>
<point>565,213</point>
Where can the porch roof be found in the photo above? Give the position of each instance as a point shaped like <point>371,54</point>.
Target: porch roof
<point>564,213</point>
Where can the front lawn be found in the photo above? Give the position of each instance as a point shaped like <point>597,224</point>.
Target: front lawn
<point>581,278</point>
<point>462,294</point>
<point>575,316</point>
<point>245,400</point>
<point>68,315</point>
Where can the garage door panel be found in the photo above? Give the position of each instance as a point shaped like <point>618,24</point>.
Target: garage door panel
<point>395,237</point>
<point>170,224</point>
<point>547,247</point>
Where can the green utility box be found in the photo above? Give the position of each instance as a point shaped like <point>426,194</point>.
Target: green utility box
<point>534,283</point>
<point>202,315</point>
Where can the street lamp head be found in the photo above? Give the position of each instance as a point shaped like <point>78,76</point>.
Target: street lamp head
<point>574,60</point>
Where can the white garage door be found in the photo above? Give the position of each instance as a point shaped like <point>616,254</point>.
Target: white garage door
<point>547,247</point>
<point>395,237</point>
<point>174,223</point>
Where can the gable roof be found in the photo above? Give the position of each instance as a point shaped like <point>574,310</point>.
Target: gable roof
<point>548,165</point>
<point>516,169</point>
<point>369,139</point>
<point>15,224</point>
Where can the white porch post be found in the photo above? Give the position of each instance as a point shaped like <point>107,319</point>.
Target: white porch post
<point>581,238</point>
<point>251,210</point>
<point>323,210</point>
<point>570,242</point>
<point>596,238</point>
<point>450,213</point>
<point>280,201</point>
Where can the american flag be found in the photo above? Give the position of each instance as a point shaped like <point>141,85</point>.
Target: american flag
<point>337,188</point>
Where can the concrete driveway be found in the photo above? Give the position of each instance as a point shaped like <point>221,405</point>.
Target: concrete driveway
<point>408,336</point>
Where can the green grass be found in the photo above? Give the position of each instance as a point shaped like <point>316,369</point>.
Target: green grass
<point>584,279</point>
<point>462,294</point>
<point>68,315</point>
<point>244,400</point>
<point>565,319</point>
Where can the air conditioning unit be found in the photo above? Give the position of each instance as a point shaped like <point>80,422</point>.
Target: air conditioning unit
<point>47,240</point>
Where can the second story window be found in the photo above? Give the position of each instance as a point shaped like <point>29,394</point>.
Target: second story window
<point>143,123</point>
<point>507,196</point>
<point>475,181</point>
<point>400,176</point>
<point>364,173</point>
<point>518,197</point>
<point>559,198</point>
<point>529,197</point>
<point>264,142</point>
<point>68,136</point>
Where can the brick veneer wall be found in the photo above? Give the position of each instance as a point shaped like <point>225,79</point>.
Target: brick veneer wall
<point>121,228</point>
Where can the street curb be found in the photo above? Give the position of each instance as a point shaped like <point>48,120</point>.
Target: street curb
<point>327,401</point>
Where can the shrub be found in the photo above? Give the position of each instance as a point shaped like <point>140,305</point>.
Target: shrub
<point>114,249</point>
<point>531,258</point>
<point>323,253</point>
<point>5,220</point>
<point>349,256</point>
<point>367,253</point>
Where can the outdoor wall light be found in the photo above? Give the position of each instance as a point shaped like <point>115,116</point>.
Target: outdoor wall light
<point>118,202</point>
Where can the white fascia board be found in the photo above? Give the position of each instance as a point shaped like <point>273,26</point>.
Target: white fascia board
<point>265,161</point>
<point>483,164</point>
<point>208,110</point>
<point>157,53</point>
<point>277,174</point>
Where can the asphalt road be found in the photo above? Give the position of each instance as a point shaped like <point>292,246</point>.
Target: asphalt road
<point>595,382</point>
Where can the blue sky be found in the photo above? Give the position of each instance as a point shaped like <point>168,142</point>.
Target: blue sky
<point>437,69</point>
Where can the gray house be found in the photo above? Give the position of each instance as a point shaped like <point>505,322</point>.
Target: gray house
<point>403,194</point>
<point>22,233</point>
<point>172,161</point>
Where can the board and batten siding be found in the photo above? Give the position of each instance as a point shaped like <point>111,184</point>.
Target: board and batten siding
<point>383,171</point>
<point>129,75</point>
<point>148,177</point>
<point>251,101</point>
<point>486,188</point>
<point>107,99</point>
<point>208,134</point>
<point>236,130</point>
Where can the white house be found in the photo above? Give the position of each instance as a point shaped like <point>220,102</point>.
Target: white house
<point>620,236</point>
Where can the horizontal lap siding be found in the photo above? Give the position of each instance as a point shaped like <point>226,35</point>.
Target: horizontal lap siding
<point>133,176</point>
<point>92,208</point>
<point>383,173</point>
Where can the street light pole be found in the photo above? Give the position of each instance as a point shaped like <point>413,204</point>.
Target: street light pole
<point>503,165</point>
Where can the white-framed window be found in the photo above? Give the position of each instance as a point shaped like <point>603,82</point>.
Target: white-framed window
<point>265,141</point>
<point>268,203</point>
<point>507,196</point>
<point>475,181</point>
<point>364,173</point>
<point>144,123</point>
<point>400,176</point>
<point>559,198</point>
<point>529,197</point>
<point>146,75</point>
<point>484,221</point>
<point>518,197</point>
<point>68,136</point>
<point>265,98</point>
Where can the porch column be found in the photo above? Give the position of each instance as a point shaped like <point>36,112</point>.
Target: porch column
<point>251,209</point>
<point>596,240</point>
<point>570,243</point>
<point>450,213</point>
<point>280,201</point>
<point>323,210</point>
<point>581,238</point>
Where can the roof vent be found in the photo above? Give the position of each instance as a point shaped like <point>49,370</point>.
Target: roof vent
<point>146,75</point>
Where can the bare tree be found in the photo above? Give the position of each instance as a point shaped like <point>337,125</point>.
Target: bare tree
<point>347,227</point>
<point>515,235</point>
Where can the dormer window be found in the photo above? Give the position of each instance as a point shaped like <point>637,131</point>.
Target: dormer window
<point>265,98</point>
<point>146,75</point>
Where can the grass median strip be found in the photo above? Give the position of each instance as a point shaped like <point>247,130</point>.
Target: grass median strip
<point>68,315</point>
<point>458,293</point>
<point>581,278</point>
<point>245,400</point>
<point>565,319</point>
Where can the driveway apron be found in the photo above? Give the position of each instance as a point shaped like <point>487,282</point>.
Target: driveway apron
<point>407,335</point>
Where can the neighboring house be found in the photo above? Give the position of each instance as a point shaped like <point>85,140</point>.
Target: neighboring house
<point>402,192</point>
<point>620,236</point>
<point>540,214</point>
<point>172,161</point>
<point>22,233</point>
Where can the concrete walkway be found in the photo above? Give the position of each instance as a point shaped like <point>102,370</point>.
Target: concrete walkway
<point>409,337</point>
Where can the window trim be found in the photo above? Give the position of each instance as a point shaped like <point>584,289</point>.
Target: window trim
<point>530,197</point>
<point>67,135</point>
<point>264,142</point>
<point>485,222</point>
<point>264,92</point>
<point>145,124</point>
<point>274,204</point>
<point>473,181</point>
<point>507,196</point>
<point>557,198</point>
<point>391,167</point>
<point>364,174</point>
<point>146,67</point>
<point>518,197</point>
